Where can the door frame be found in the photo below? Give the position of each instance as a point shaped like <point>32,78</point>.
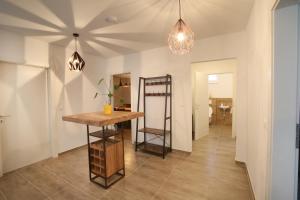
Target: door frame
<point>235,75</point>
<point>6,116</point>
<point>204,128</point>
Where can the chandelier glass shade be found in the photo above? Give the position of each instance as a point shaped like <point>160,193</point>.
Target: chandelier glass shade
<point>181,37</point>
<point>76,63</point>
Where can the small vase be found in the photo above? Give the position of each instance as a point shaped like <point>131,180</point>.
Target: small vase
<point>107,108</point>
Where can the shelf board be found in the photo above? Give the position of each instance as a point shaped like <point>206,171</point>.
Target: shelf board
<point>158,83</point>
<point>107,133</point>
<point>153,148</point>
<point>157,94</point>
<point>158,77</point>
<point>154,131</point>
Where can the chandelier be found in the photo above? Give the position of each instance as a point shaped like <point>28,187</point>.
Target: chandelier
<point>76,63</point>
<point>181,37</point>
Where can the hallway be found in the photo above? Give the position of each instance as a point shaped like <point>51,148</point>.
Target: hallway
<point>210,172</point>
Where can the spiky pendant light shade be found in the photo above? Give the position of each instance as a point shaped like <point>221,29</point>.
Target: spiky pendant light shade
<point>181,37</point>
<point>120,83</point>
<point>76,63</point>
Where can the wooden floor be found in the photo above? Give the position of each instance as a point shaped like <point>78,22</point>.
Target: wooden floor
<point>210,172</point>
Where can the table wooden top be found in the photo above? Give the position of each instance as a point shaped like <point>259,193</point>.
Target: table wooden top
<point>101,119</point>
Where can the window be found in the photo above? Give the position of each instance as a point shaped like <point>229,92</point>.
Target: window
<point>213,78</point>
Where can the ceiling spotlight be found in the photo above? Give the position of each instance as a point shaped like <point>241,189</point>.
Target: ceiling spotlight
<point>76,63</point>
<point>112,19</point>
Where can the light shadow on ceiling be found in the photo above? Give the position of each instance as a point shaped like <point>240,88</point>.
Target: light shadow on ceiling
<point>63,14</point>
<point>141,24</point>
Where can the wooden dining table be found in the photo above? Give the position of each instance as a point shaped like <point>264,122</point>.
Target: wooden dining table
<point>105,160</point>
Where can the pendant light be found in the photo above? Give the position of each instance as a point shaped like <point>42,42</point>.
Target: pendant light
<point>123,85</point>
<point>76,63</point>
<point>181,37</point>
<point>120,83</point>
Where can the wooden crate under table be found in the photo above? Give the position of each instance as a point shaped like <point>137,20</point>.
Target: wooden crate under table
<point>114,157</point>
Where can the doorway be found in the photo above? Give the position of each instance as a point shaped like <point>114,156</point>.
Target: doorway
<point>122,100</point>
<point>214,97</point>
<point>220,95</point>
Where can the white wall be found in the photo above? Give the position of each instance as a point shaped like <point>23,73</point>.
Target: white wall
<point>223,88</point>
<point>71,93</point>
<point>18,49</point>
<point>259,38</point>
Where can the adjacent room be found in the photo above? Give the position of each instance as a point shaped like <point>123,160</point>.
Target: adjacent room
<point>214,90</point>
<point>152,99</point>
<point>122,100</point>
<point>220,92</point>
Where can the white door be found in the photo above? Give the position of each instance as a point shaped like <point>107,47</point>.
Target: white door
<point>285,104</point>
<point>201,105</point>
<point>25,137</point>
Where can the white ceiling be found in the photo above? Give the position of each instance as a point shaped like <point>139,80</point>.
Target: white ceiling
<point>142,24</point>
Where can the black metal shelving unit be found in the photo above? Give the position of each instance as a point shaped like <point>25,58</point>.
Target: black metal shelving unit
<point>145,146</point>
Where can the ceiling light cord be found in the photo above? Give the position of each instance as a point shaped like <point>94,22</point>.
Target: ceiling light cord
<point>179,4</point>
<point>75,35</point>
<point>75,43</point>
